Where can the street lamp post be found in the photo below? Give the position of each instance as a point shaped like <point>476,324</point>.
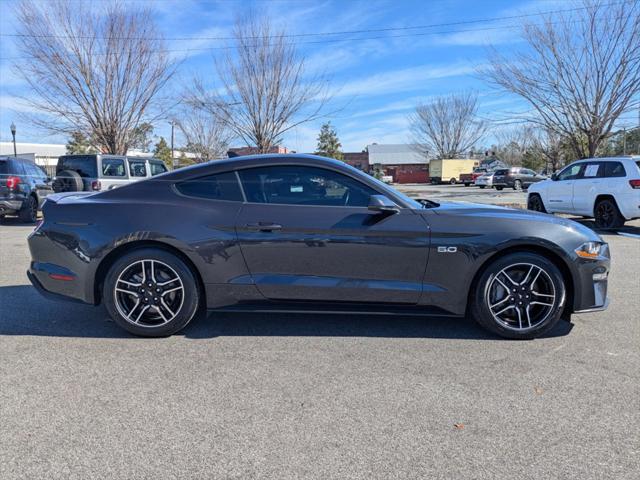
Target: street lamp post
<point>13,134</point>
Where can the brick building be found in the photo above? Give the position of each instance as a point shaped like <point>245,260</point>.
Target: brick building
<point>402,162</point>
<point>240,151</point>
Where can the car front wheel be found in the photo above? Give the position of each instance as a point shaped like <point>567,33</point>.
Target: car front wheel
<point>519,296</point>
<point>517,185</point>
<point>535,203</point>
<point>151,292</point>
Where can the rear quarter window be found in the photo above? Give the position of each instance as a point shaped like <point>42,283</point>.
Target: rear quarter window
<point>4,167</point>
<point>614,169</point>
<point>157,168</point>
<point>85,165</point>
<point>222,186</point>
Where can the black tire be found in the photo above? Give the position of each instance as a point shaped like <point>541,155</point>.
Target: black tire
<point>467,184</point>
<point>29,211</point>
<point>189,299</point>
<point>68,181</point>
<point>535,203</point>
<point>517,185</point>
<point>549,315</point>
<point>499,188</point>
<point>607,214</point>
<point>452,181</point>
<point>482,187</point>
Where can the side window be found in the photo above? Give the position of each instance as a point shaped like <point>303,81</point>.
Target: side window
<point>571,172</point>
<point>18,168</point>
<point>137,168</point>
<point>614,169</point>
<point>157,168</point>
<point>593,170</point>
<point>113,167</point>
<point>296,185</point>
<point>222,186</point>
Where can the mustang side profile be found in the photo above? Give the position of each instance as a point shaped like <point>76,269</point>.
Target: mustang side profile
<point>306,233</point>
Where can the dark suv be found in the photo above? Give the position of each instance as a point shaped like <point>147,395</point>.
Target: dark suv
<point>23,187</point>
<point>517,178</point>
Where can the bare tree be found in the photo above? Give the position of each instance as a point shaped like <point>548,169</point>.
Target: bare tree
<point>448,126</point>
<point>97,72</point>
<point>264,88</point>
<point>205,135</point>
<point>580,72</point>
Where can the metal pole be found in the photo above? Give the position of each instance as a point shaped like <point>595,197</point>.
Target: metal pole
<point>172,156</point>
<point>624,141</point>
<point>15,151</point>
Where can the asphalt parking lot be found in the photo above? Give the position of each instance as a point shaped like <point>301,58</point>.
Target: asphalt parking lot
<point>313,396</point>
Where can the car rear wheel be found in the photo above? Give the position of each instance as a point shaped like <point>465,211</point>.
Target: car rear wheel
<point>519,296</point>
<point>535,203</point>
<point>517,185</point>
<point>29,211</point>
<point>151,293</point>
<point>452,181</point>
<point>499,188</point>
<point>482,186</point>
<point>607,214</point>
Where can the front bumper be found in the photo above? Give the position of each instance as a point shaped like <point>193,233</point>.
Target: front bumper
<point>591,284</point>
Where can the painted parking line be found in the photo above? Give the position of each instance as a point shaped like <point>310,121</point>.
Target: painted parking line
<point>632,235</point>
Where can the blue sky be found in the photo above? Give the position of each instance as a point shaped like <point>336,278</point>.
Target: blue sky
<point>376,82</point>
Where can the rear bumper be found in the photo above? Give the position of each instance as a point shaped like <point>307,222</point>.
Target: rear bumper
<point>47,294</point>
<point>7,207</point>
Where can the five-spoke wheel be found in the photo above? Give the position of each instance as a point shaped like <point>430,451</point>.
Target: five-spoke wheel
<point>151,292</point>
<point>520,295</point>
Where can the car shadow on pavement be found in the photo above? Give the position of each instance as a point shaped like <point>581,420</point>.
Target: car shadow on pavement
<point>24,312</point>
<point>590,223</point>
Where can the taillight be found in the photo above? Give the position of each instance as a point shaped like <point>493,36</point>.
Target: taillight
<point>634,183</point>
<point>96,185</point>
<point>13,182</point>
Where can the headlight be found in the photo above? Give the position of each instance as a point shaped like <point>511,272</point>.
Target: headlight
<point>589,250</point>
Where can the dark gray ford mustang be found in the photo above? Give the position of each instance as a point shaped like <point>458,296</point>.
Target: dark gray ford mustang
<point>306,233</point>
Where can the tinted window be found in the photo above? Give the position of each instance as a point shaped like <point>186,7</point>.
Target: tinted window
<point>113,167</point>
<point>501,172</point>
<point>85,165</point>
<point>295,185</point>
<point>571,172</point>
<point>526,171</point>
<point>223,186</point>
<point>614,169</point>
<point>157,168</point>
<point>4,167</point>
<point>137,168</point>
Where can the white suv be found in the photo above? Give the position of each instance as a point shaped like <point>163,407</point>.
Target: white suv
<point>607,189</point>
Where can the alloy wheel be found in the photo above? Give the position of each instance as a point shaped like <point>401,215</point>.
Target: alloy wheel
<point>605,214</point>
<point>517,185</point>
<point>521,296</point>
<point>149,293</point>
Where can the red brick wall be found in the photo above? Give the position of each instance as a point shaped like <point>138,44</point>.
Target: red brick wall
<point>416,173</point>
<point>360,160</point>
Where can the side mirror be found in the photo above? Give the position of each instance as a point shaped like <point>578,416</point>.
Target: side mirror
<point>380,203</point>
<point>554,176</point>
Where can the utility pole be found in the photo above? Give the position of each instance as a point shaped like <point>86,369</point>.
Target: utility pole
<point>624,141</point>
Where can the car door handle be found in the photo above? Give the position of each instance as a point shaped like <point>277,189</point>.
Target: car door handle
<point>263,226</point>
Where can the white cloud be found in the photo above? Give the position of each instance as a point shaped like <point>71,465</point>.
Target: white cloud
<point>402,80</point>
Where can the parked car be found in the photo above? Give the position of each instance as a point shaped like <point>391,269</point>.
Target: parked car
<point>77,173</point>
<point>306,233</point>
<point>607,189</point>
<point>470,178</point>
<point>484,181</point>
<point>517,178</point>
<point>23,188</point>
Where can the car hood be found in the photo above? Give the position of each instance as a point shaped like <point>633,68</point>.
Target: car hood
<point>505,213</point>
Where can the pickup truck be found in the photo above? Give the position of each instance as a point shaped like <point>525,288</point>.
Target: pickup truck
<point>470,178</point>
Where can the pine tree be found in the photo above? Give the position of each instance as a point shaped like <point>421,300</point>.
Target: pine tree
<point>163,152</point>
<point>79,143</point>
<point>328,143</point>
